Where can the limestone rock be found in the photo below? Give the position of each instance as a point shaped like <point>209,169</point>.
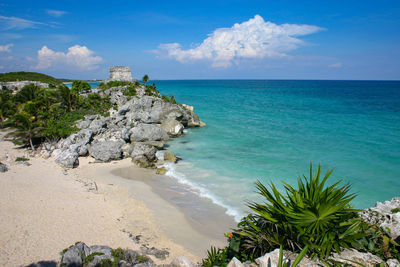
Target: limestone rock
<point>385,215</point>
<point>73,256</point>
<point>173,127</point>
<point>107,150</point>
<point>144,155</point>
<point>105,254</point>
<point>3,167</point>
<point>98,125</point>
<point>269,259</point>
<point>127,150</point>
<point>67,158</point>
<point>161,171</point>
<point>351,255</point>
<point>235,263</point>
<point>147,132</point>
<point>182,261</point>
<point>170,157</point>
<point>393,263</point>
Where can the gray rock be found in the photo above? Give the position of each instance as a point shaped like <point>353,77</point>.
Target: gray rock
<point>351,255</point>
<point>156,144</point>
<point>384,215</point>
<point>106,151</point>
<point>3,167</point>
<point>98,125</point>
<point>272,259</point>
<point>73,256</point>
<point>145,150</point>
<point>235,263</point>
<point>67,158</point>
<point>127,150</point>
<point>173,127</point>
<point>269,259</point>
<point>83,124</point>
<point>182,261</point>
<point>105,254</point>
<point>393,263</point>
<point>158,253</point>
<point>147,132</point>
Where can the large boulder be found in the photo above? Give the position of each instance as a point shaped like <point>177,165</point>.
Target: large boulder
<point>98,125</point>
<point>147,132</point>
<point>144,155</point>
<point>67,158</point>
<point>349,256</point>
<point>235,263</point>
<point>182,261</point>
<point>78,141</point>
<point>74,255</point>
<point>107,150</point>
<point>173,127</point>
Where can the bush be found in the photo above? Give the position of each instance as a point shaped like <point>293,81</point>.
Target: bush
<point>80,87</point>
<point>313,216</point>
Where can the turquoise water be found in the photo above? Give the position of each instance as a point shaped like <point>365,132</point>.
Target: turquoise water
<point>271,130</point>
<point>92,84</point>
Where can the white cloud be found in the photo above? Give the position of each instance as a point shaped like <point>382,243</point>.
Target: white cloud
<point>6,48</point>
<point>56,13</point>
<point>79,57</point>
<point>336,65</point>
<point>10,23</point>
<point>252,39</point>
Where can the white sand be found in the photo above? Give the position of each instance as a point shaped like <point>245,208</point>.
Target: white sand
<point>44,209</point>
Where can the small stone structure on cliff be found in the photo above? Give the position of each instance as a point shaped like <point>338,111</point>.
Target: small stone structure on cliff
<point>16,85</point>
<point>120,73</point>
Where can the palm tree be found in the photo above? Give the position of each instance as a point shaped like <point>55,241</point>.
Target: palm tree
<point>26,127</point>
<point>145,79</point>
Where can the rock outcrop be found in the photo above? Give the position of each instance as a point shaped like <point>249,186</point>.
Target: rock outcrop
<point>385,215</point>
<point>137,127</point>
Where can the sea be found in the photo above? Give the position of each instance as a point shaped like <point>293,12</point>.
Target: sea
<point>272,130</point>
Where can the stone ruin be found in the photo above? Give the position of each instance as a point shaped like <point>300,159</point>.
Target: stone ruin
<point>120,73</point>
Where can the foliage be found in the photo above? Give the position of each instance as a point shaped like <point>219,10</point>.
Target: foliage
<point>145,78</point>
<point>18,159</point>
<point>395,210</point>
<point>170,99</point>
<point>130,90</point>
<point>315,216</point>
<point>113,84</point>
<point>38,113</point>
<point>29,76</point>
<point>79,87</point>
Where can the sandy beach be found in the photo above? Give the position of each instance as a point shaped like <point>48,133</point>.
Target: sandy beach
<point>45,209</point>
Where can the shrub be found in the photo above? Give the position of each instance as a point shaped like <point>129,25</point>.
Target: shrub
<point>80,87</point>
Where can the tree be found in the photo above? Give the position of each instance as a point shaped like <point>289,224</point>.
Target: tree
<point>145,78</point>
<point>80,87</point>
<point>26,127</point>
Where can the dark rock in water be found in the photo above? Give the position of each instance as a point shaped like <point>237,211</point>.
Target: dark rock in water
<point>107,150</point>
<point>170,157</point>
<point>184,142</point>
<point>3,167</point>
<point>189,148</point>
<point>161,171</point>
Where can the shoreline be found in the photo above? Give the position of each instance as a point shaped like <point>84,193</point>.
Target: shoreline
<point>93,204</point>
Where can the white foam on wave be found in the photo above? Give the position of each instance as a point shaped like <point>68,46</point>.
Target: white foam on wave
<point>200,190</point>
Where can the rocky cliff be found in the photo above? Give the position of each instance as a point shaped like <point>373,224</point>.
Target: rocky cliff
<point>137,127</point>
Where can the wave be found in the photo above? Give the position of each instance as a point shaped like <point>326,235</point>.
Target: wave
<point>197,189</point>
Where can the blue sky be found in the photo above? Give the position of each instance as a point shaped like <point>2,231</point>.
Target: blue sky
<point>203,39</point>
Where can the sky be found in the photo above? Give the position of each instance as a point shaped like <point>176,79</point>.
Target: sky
<point>338,40</point>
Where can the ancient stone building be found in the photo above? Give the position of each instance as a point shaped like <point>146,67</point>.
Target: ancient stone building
<point>120,73</point>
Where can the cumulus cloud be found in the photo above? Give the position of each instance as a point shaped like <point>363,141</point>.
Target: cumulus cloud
<point>79,57</point>
<point>14,23</point>
<point>56,13</point>
<point>252,39</point>
<point>6,48</point>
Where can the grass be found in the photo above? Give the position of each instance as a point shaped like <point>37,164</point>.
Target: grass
<point>395,210</point>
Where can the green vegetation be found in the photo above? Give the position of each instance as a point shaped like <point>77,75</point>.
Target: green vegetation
<point>29,76</point>
<point>315,216</point>
<point>113,84</point>
<point>80,87</point>
<point>141,259</point>
<point>18,159</point>
<point>37,114</point>
<point>91,257</point>
<point>145,79</point>
<point>395,210</point>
